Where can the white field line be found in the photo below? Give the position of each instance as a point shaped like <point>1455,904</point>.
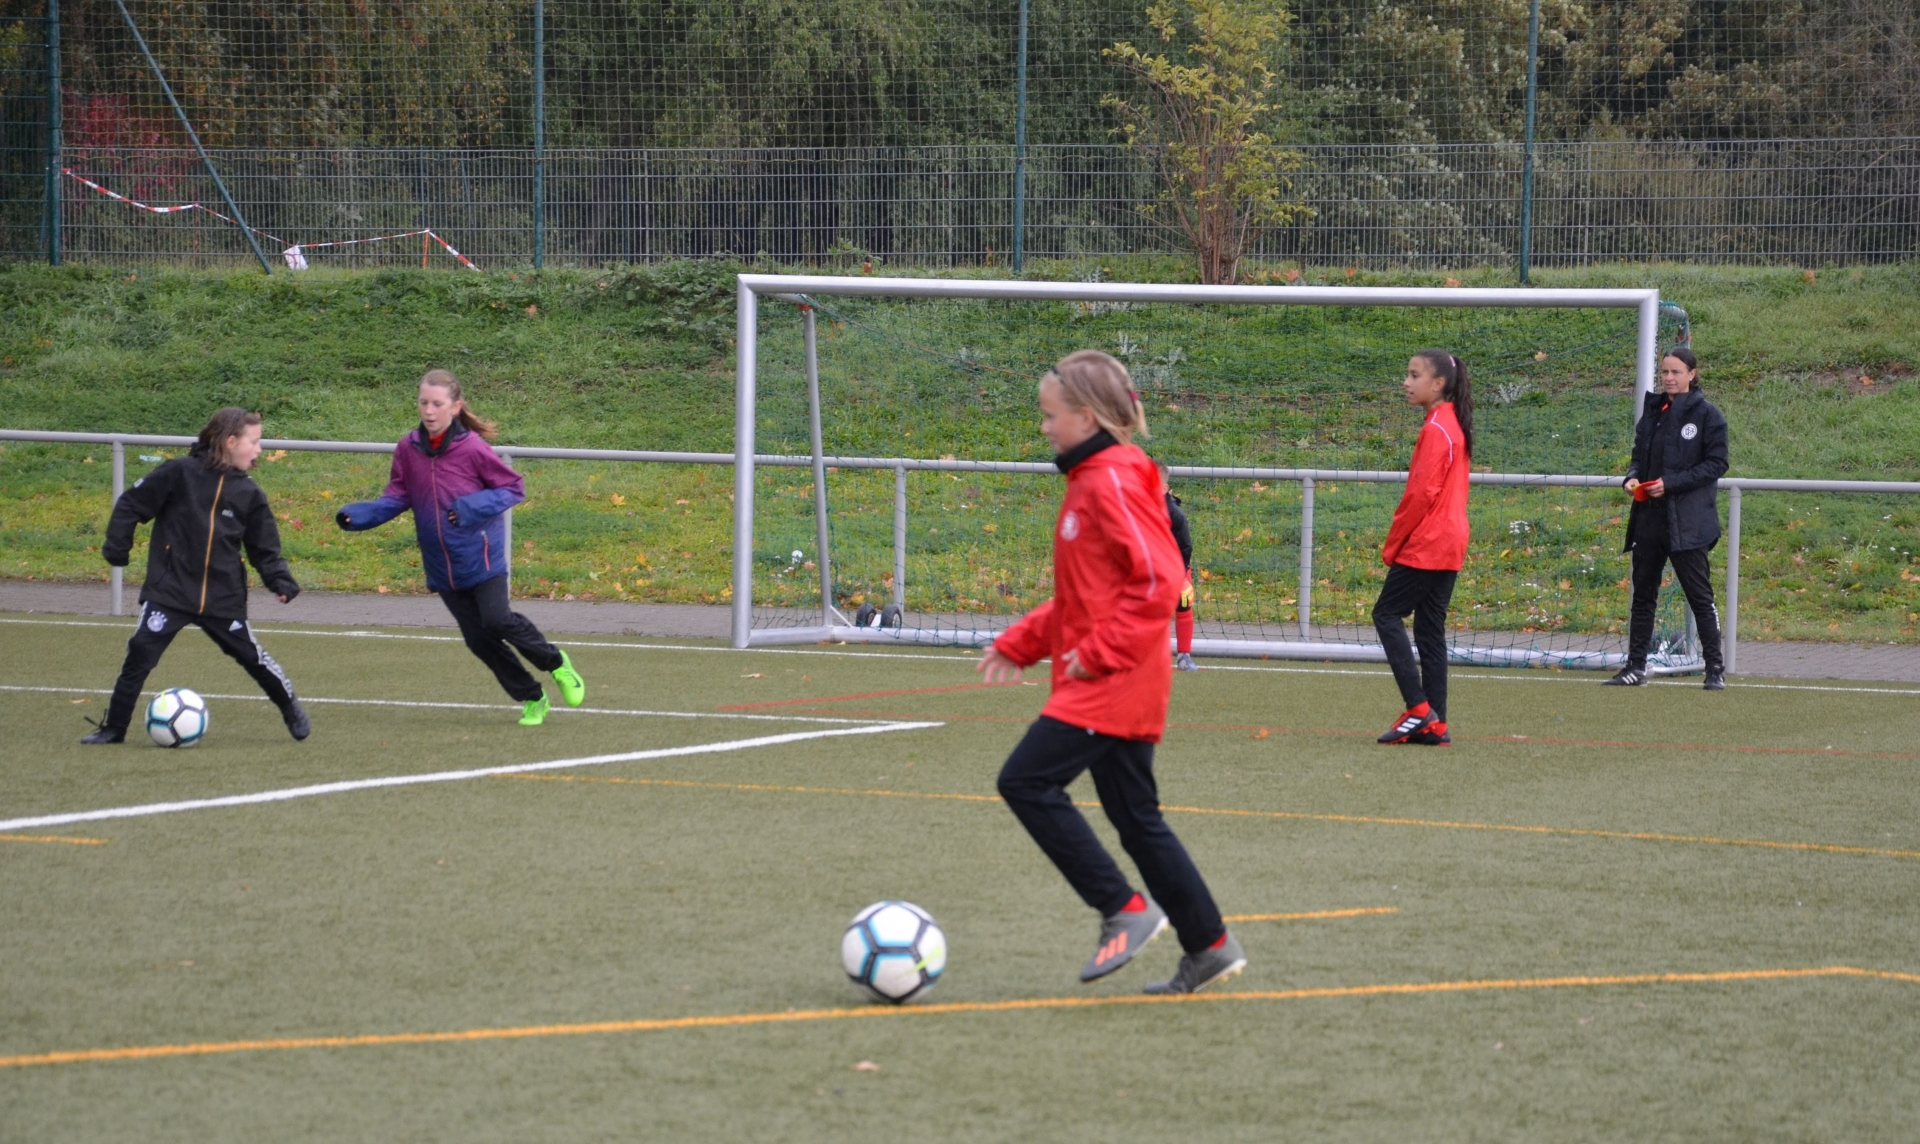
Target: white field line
<point>344,787</point>
<point>1513,676</point>
<point>480,706</point>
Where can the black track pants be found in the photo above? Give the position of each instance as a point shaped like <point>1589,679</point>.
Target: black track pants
<point>493,630</point>
<point>157,628</point>
<point>1696,580</point>
<point>1034,783</point>
<point>1425,594</point>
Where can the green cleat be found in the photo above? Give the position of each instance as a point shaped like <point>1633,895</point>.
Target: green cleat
<point>573,689</point>
<point>536,711</point>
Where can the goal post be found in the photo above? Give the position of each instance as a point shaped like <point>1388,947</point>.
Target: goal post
<point>901,338</point>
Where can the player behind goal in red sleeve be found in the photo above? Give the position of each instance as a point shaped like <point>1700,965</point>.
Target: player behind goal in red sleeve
<point>1426,545</point>
<point>1183,611</point>
<point>1116,578</point>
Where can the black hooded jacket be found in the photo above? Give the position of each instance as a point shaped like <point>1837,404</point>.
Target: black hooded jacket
<point>202,515</point>
<point>1684,445</point>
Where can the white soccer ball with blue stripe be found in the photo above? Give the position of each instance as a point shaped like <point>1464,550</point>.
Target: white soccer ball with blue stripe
<point>894,950</point>
<point>177,717</point>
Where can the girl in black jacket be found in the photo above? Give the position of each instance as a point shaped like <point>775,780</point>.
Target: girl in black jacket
<point>1679,456</point>
<point>204,509</point>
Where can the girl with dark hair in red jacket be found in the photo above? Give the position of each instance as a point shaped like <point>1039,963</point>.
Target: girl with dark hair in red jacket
<point>1426,545</point>
<point>1116,579</point>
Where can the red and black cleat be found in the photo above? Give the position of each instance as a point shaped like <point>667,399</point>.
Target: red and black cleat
<point>1435,735</point>
<point>1412,722</point>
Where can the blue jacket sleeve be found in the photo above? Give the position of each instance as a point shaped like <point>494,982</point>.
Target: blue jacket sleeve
<point>369,514</point>
<point>485,504</point>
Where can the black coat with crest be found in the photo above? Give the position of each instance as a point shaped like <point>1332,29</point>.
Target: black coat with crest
<point>1692,438</point>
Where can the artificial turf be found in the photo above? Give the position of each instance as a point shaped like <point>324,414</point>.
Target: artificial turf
<point>716,885</point>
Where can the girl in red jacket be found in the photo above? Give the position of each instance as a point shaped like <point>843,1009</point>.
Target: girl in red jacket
<point>1426,545</point>
<point>1116,579</point>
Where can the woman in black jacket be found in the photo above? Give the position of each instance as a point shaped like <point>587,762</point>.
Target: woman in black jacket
<point>1679,456</point>
<point>204,510</point>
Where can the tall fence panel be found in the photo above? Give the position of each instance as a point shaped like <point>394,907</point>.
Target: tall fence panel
<point>1795,201</point>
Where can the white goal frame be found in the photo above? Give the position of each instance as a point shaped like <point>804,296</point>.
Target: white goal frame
<point>835,626</point>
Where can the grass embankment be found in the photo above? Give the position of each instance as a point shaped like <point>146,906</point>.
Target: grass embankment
<point>1812,373</point>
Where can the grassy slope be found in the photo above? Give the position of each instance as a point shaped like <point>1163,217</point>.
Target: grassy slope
<point>640,358</point>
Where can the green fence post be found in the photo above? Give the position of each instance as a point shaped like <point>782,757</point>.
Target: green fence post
<point>1526,162</point>
<point>1020,147</point>
<point>53,133</point>
<point>539,133</point>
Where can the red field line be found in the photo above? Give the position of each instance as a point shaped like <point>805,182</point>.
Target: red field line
<point>738,1020</point>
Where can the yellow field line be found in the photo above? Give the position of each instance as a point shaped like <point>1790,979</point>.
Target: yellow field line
<point>52,838</point>
<point>1313,915</point>
<point>737,1020</point>
<point>1304,816</point>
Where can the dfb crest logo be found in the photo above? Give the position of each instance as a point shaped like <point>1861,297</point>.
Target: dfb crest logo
<point>1069,526</point>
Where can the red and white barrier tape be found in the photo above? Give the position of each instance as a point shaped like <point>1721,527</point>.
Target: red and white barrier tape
<point>292,252</point>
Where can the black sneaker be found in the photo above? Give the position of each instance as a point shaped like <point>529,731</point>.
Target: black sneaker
<point>298,725</point>
<point>1434,735</point>
<point>1199,970</point>
<point>1408,726</point>
<point>1716,681</point>
<point>1123,935</point>
<point>1627,677</point>
<point>105,735</point>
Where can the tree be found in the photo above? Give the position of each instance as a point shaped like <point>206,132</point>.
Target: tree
<point>1223,177</point>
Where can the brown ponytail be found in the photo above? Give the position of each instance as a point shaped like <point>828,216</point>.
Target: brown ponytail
<point>475,423</point>
<point>1458,390</point>
<point>1098,383</point>
<point>230,421</point>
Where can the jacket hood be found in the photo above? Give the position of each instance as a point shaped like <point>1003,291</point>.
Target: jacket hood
<point>1066,461</point>
<point>421,438</point>
<point>204,455</point>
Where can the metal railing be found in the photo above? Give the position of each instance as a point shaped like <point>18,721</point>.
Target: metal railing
<point>1799,200</point>
<point>900,466</point>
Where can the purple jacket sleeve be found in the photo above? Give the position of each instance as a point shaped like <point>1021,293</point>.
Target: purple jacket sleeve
<point>504,489</point>
<point>390,503</point>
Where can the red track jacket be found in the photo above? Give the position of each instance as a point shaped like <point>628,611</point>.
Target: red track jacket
<point>1116,579</point>
<point>1430,527</point>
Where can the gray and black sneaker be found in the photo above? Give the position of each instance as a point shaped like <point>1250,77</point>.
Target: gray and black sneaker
<point>104,734</point>
<point>298,725</point>
<point>1184,662</point>
<point>1716,681</point>
<point>1626,677</point>
<point>1121,936</point>
<point>1199,970</point>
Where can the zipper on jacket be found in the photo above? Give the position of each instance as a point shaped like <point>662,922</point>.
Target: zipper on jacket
<point>439,523</point>
<point>213,516</point>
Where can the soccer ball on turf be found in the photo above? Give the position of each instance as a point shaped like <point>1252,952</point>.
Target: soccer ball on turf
<point>894,950</point>
<point>177,717</point>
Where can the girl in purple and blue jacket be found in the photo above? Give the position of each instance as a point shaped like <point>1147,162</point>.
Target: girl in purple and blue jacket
<point>459,490</point>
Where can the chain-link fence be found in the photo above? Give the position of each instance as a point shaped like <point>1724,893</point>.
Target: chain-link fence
<point>1695,129</point>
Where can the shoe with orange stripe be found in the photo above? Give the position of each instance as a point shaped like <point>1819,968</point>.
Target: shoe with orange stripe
<point>1124,934</point>
<point>1434,735</point>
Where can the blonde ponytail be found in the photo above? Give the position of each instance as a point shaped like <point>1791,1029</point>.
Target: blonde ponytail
<point>1098,383</point>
